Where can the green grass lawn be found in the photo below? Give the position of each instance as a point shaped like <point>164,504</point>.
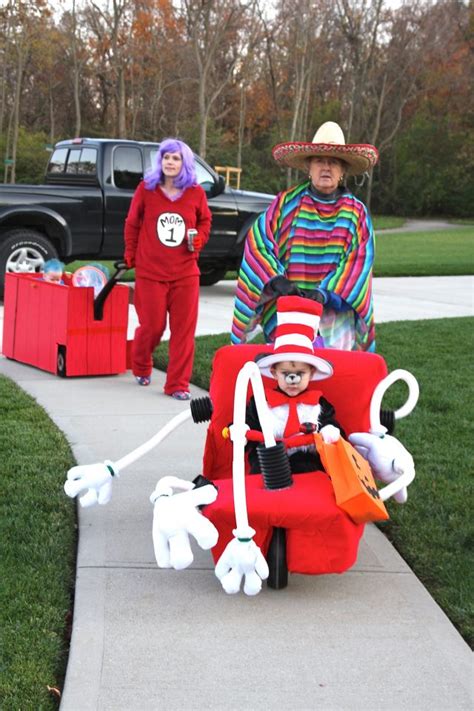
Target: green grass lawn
<point>38,533</point>
<point>387,222</point>
<point>444,253</point>
<point>433,531</point>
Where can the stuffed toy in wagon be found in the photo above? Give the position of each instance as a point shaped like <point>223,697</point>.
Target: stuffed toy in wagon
<point>289,469</point>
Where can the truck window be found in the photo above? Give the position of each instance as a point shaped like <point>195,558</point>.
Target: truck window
<point>58,161</point>
<point>73,161</point>
<point>150,156</point>
<point>82,161</point>
<point>127,167</point>
<point>88,162</point>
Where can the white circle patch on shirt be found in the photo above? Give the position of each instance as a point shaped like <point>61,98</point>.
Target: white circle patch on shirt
<point>170,229</point>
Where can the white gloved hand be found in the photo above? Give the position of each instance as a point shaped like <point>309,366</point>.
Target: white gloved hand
<point>175,516</point>
<point>387,457</point>
<point>94,479</point>
<point>330,434</point>
<point>242,559</point>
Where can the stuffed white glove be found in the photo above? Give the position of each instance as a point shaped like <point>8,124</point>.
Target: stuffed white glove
<point>94,479</point>
<point>242,559</point>
<point>330,434</point>
<point>175,516</point>
<point>387,457</point>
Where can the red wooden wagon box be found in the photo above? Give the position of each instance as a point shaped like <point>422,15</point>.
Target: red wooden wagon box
<point>53,327</point>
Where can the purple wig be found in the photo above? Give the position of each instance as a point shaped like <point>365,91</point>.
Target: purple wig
<point>187,177</point>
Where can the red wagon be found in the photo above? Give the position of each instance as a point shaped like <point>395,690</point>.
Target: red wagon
<point>62,328</point>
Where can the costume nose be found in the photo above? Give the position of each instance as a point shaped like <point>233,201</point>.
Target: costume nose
<point>292,378</point>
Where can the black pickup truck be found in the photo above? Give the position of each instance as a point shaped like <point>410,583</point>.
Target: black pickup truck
<point>80,211</point>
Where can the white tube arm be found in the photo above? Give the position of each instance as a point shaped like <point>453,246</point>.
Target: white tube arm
<point>381,389</point>
<point>249,372</point>
<point>394,487</point>
<point>153,441</point>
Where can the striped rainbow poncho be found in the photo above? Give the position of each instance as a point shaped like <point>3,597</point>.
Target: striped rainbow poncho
<point>312,241</point>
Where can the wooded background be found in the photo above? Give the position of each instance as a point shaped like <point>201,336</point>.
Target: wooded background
<point>235,77</point>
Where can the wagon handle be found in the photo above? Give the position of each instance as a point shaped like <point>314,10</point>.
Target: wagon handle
<point>120,269</point>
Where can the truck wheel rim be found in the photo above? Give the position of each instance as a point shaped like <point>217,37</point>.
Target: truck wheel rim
<point>25,260</point>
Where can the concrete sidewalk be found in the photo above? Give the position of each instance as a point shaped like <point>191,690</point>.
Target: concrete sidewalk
<point>147,639</point>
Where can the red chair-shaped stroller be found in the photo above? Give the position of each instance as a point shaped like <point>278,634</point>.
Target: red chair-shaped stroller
<point>261,527</point>
<point>298,529</point>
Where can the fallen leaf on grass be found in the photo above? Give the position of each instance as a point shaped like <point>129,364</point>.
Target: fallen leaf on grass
<point>54,691</point>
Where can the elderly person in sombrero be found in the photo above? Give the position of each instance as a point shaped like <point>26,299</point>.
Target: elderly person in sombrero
<point>315,239</point>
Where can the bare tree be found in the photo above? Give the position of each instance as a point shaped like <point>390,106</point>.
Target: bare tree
<point>76,70</point>
<point>213,27</point>
<point>26,25</point>
<point>110,24</point>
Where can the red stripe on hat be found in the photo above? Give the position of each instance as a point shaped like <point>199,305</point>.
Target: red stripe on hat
<point>298,303</point>
<point>288,348</point>
<point>288,329</point>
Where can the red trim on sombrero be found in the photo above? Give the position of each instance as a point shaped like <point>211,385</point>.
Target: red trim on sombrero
<point>363,149</point>
<point>298,303</point>
<point>289,329</point>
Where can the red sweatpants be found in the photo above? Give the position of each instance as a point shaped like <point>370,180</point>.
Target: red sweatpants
<point>153,301</point>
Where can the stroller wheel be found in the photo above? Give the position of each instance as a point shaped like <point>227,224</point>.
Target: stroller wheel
<point>276,559</point>
<point>61,362</point>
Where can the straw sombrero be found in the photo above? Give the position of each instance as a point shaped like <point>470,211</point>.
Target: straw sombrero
<point>328,141</point>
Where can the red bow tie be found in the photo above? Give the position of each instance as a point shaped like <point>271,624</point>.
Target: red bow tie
<point>277,397</point>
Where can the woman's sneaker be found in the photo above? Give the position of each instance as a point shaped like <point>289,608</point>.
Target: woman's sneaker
<point>181,395</point>
<point>143,379</point>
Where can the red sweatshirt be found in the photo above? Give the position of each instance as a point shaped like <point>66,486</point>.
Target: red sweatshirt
<point>156,232</point>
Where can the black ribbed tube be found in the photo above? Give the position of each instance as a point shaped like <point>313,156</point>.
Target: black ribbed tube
<point>387,419</point>
<point>275,466</point>
<point>201,409</point>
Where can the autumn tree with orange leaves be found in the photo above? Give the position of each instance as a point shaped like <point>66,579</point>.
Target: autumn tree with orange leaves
<point>233,78</point>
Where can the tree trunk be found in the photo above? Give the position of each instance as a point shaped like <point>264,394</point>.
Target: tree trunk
<point>51,116</point>
<point>203,114</point>
<point>77,101</point>
<point>8,142</point>
<point>16,110</point>
<point>122,123</point>
<point>5,55</point>
<point>243,104</point>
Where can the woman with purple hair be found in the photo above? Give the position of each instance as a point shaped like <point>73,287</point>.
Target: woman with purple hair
<point>167,225</point>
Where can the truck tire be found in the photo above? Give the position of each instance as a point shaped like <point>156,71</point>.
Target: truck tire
<point>211,276</point>
<point>23,251</point>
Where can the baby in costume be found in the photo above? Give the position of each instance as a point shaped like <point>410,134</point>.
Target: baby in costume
<point>294,402</point>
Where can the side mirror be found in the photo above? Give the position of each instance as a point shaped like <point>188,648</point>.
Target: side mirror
<point>218,187</point>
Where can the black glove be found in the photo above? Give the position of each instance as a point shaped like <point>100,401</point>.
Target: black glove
<point>281,286</point>
<point>317,294</point>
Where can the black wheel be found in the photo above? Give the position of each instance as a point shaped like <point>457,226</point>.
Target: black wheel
<point>61,362</point>
<point>211,276</point>
<point>276,559</point>
<point>24,251</point>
